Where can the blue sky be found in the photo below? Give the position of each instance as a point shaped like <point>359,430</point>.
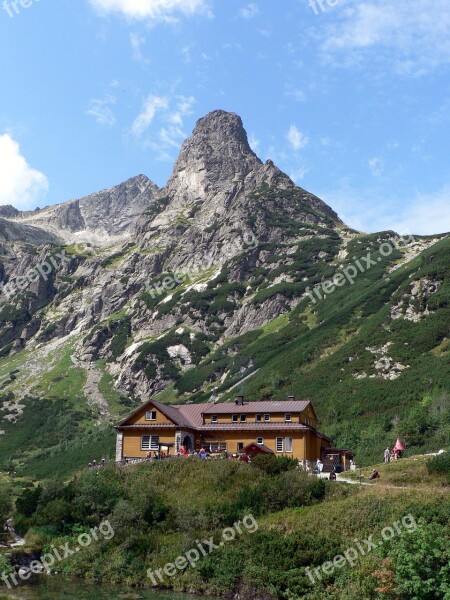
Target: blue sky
<point>352,100</point>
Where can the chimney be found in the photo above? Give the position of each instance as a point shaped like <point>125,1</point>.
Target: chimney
<point>291,398</point>
<point>240,400</point>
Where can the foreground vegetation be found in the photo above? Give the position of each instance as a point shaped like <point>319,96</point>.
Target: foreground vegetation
<point>160,511</point>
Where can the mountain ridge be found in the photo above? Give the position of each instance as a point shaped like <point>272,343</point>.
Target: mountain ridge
<point>205,285</point>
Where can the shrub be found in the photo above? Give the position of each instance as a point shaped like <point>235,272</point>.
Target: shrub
<point>421,563</point>
<point>27,502</point>
<point>440,465</point>
<point>274,465</point>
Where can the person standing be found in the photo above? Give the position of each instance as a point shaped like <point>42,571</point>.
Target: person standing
<point>387,455</point>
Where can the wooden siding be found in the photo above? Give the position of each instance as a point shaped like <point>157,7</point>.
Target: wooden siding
<point>132,441</point>
<point>139,418</point>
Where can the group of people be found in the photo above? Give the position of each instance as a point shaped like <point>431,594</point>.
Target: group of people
<point>95,465</point>
<point>394,455</point>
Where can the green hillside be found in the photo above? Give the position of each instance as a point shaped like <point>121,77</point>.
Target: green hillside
<point>373,356</point>
<point>289,522</point>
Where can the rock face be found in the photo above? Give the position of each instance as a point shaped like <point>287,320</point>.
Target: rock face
<point>219,188</point>
<point>11,231</point>
<point>104,217</point>
<point>222,250</point>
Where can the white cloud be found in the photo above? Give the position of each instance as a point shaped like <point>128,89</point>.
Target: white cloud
<point>427,214</point>
<point>299,173</point>
<point>146,116</point>
<point>170,134</point>
<point>372,210</point>
<point>101,110</point>
<point>137,41</point>
<point>249,11</point>
<point>412,37</point>
<point>296,95</point>
<point>20,185</point>
<point>151,9</point>
<point>254,142</point>
<point>296,138</point>
<point>376,166</point>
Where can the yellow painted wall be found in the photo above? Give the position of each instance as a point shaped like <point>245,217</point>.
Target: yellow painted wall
<point>140,417</point>
<point>305,445</point>
<point>132,440</point>
<point>308,417</point>
<point>247,437</point>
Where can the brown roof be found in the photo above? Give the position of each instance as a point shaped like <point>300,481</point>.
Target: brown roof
<point>262,447</point>
<point>265,406</point>
<point>191,415</point>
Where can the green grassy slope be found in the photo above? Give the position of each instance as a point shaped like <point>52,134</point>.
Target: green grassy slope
<point>294,521</point>
<point>319,351</point>
<point>322,351</point>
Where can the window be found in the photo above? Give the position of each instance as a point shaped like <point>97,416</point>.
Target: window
<point>243,418</point>
<point>217,447</point>
<point>240,446</point>
<point>234,418</point>
<point>287,418</point>
<point>150,415</point>
<point>279,444</point>
<point>266,418</point>
<point>213,418</point>
<point>288,444</point>
<point>150,442</point>
<point>258,418</point>
<point>259,441</point>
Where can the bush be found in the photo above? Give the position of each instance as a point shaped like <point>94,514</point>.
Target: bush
<point>440,465</point>
<point>27,502</point>
<point>421,563</point>
<point>5,502</point>
<point>274,465</point>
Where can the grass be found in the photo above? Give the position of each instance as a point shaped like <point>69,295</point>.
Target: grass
<point>113,397</point>
<point>159,510</point>
<point>406,472</point>
<point>64,380</point>
<point>72,455</point>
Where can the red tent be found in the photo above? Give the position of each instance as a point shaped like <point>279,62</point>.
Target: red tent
<point>398,446</point>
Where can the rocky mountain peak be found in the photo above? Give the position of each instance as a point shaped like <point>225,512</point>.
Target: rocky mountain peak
<point>221,130</point>
<point>216,154</point>
<point>9,211</point>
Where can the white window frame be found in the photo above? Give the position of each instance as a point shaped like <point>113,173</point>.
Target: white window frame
<point>279,443</point>
<point>150,412</point>
<point>260,441</point>
<point>243,419</point>
<point>150,442</point>
<point>213,418</point>
<point>216,447</point>
<point>288,418</point>
<point>288,446</point>
<point>234,418</point>
<point>258,418</point>
<point>266,418</point>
